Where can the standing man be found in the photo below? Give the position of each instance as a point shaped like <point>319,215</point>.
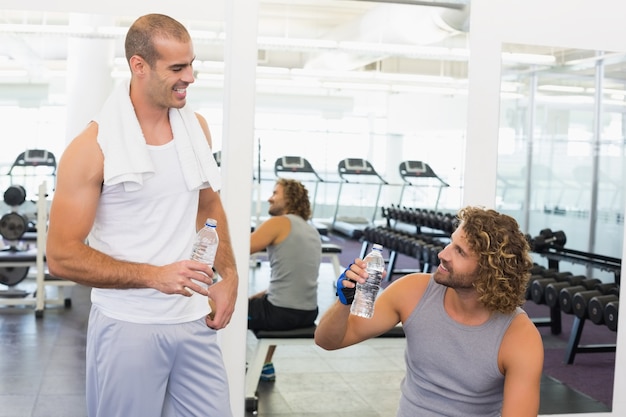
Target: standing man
<point>294,249</point>
<point>132,190</point>
<point>471,350</point>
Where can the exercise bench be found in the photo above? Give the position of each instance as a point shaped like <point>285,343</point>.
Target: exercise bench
<point>267,338</point>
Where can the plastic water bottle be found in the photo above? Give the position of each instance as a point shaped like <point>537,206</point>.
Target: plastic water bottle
<point>363,304</point>
<point>205,245</point>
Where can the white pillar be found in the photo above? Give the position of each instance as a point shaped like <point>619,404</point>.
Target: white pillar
<point>237,162</point>
<point>89,64</point>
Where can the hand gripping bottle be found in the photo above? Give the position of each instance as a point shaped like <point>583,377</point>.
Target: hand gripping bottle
<point>363,305</point>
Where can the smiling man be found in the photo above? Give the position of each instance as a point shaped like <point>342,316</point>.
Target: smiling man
<point>132,189</point>
<point>471,350</point>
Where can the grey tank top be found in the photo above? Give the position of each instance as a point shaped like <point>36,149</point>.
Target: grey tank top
<point>295,264</point>
<point>452,369</point>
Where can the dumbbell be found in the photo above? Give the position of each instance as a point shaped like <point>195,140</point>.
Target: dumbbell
<point>537,269</point>
<point>608,288</point>
<point>538,286</point>
<point>14,196</point>
<point>552,290</point>
<point>580,301</point>
<point>434,255</point>
<point>610,315</point>
<point>565,298</point>
<point>539,273</point>
<point>548,238</point>
<point>597,305</point>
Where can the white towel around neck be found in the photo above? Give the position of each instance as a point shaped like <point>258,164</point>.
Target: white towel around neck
<point>126,156</point>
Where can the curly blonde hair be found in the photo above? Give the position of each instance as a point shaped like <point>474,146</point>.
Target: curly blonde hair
<point>296,198</point>
<point>504,259</point>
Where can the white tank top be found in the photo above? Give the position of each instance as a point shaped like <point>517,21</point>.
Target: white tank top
<point>154,225</point>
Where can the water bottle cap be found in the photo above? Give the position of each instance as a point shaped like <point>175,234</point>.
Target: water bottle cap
<point>211,222</point>
<point>377,246</point>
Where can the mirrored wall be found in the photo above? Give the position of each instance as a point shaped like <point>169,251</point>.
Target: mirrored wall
<point>561,159</point>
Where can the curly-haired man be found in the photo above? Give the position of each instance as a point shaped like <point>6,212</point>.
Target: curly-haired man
<point>294,251</point>
<point>470,348</point>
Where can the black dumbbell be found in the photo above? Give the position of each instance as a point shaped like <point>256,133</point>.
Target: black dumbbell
<point>551,292</point>
<point>548,238</point>
<point>608,288</point>
<point>529,295</point>
<point>580,301</point>
<point>610,315</point>
<point>15,196</point>
<point>595,309</point>
<point>538,286</point>
<point>565,298</point>
<point>537,269</point>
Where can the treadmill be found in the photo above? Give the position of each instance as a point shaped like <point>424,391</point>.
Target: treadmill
<point>297,167</point>
<point>353,171</point>
<point>420,174</point>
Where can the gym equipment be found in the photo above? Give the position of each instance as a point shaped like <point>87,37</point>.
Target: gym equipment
<point>301,169</point>
<point>537,288</point>
<point>597,305</point>
<point>32,166</point>
<point>420,174</point>
<point>13,226</point>
<point>351,168</point>
<point>546,239</point>
<point>15,264</point>
<point>580,302</point>
<point>611,311</point>
<point>15,196</point>
<point>551,292</point>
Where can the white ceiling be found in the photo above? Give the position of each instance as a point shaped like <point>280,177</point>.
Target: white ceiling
<point>377,45</point>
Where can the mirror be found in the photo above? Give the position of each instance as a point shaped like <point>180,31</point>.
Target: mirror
<point>557,172</point>
<point>490,40</point>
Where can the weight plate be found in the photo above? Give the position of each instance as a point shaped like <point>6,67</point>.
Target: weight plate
<point>13,275</point>
<point>13,226</point>
<point>15,195</point>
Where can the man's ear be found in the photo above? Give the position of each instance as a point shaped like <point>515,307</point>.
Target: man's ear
<point>138,65</point>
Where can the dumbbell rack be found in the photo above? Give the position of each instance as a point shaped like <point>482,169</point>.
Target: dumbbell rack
<point>36,257</point>
<point>555,254</point>
<point>407,225</point>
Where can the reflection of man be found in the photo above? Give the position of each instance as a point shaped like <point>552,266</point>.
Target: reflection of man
<point>471,350</point>
<point>294,251</point>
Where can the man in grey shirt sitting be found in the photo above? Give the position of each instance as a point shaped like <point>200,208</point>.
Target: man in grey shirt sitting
<point>294,250</point>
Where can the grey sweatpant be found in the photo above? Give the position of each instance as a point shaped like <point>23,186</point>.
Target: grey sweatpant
<point>154,370</point>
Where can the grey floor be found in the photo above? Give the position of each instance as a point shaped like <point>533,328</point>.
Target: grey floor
<point>42,368</point>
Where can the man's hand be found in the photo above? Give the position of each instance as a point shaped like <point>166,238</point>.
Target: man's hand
<point>183,278</point>
<point>222,298</point>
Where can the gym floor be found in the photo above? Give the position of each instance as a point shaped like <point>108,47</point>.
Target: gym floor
<point>43,368</point>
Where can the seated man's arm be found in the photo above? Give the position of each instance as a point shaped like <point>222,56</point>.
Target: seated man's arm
<point>271,232</point>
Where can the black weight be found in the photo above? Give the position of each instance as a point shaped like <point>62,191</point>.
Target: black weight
<point>610,315</point>
<point>580,301</point>
<point>565,298</point>
<point>596,306</point>
<point>537,289</point>
<point>15,195</point>
<point>13,226</point>
<point>548,238</point>
<point>11,276</point>
<point>551,292</point>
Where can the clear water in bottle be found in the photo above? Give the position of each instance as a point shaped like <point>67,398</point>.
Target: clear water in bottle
<point>363,305</point>
<point>205,245</point>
